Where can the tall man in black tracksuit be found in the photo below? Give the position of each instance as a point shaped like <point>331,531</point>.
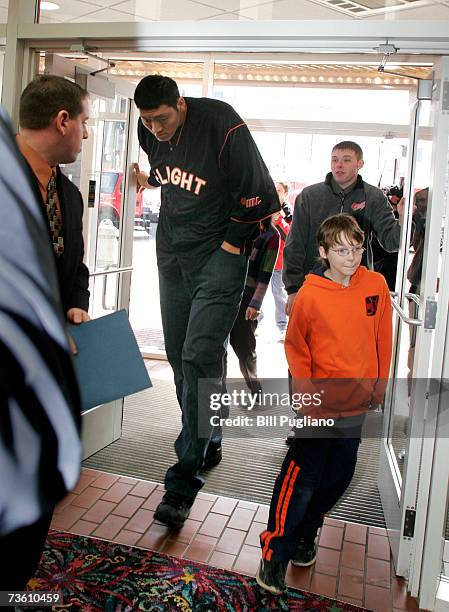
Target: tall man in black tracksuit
<point>215,190</point>
<point>343,191</point>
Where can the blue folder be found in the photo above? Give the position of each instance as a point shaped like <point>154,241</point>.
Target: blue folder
<point>108,365</point>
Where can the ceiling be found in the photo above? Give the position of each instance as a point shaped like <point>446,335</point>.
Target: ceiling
<point>246,10</point>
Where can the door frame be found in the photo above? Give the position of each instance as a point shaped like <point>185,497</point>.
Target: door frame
<point>431,504</point>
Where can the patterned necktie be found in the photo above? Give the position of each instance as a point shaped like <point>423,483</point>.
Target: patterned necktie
<point>54,216</point>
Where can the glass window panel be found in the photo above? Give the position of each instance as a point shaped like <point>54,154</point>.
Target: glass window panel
<point>403,384</point>
<point>305,158</point>
<point>111,190</point>
<point>317,104</point>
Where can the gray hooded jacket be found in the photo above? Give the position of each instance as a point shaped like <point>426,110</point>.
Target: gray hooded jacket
<point>366,203</point>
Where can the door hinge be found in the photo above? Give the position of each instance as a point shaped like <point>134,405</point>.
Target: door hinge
<point>409,523</point>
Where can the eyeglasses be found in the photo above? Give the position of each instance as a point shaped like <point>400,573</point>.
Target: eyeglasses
<point>344,252</point>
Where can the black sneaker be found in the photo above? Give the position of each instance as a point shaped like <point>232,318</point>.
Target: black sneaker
<point>305,553</point>
<point>271,575</point>
<point>173,509</point>
<point>213,456</point>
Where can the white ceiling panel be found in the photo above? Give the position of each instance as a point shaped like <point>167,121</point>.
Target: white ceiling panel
<point>291,9</point>
<point>167,10</point>
<point>102,3</point>
<point>232,6</point>
<point>49,17</point>
<point>69,9</point>
<point>435,12</point>
<point>227,17</point>
<point>105,15</point>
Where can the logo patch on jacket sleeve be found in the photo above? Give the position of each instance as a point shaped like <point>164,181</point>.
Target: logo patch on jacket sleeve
<point>371,305</point>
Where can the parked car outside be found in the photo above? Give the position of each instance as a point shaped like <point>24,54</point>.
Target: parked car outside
<point>151,204</point>
<point>111,196</point>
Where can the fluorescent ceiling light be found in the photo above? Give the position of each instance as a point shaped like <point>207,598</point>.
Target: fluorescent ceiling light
<point>49,6</point>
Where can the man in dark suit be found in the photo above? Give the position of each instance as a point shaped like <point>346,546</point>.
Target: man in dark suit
<point>53,116</point>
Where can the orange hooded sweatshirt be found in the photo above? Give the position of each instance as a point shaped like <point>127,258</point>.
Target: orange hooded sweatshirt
<point>338,332</point>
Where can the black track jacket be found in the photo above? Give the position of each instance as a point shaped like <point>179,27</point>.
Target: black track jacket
<point>215,185</point>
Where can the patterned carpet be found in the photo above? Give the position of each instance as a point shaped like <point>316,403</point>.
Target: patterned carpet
<point>94,575</point>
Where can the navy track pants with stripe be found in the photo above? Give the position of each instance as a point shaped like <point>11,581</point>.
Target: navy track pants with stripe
<point>313,477</point>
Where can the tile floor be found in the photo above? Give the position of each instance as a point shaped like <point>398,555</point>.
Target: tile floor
<point>353,562</point>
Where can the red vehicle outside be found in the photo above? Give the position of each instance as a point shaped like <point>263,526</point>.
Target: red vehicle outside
<point>111,195</point>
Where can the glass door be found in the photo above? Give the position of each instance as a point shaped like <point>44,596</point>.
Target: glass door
<point>105,180</point>
<point>429,567</point>
<point>414,319</point>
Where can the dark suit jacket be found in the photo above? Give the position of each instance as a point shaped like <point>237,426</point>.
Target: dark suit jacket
<point>73,275</point>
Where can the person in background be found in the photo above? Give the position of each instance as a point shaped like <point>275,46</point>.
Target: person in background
<point>53,118</point>
<point>242,337</point>
<point>40,414</point>
<point>282,189</point>
<point>215,189</point>
<point>384,262</point>
<point>282,223</point>
<point>343,191</point>
<point>338,349</point>
<point>414,273</point>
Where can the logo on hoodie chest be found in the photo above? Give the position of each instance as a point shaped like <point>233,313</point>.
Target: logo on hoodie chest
<point>371,305</point>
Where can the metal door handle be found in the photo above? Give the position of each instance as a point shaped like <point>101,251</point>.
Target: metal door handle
<point>401,312</point>
<point>111,271</point>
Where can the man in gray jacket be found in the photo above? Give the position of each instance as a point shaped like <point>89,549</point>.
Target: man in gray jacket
<point>343,190</point>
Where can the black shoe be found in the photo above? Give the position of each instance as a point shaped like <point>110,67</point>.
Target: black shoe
<point>173,509</point>
<point>290,436</point>
<point>213,456</point>
<point>305,553</point>
<point>271,575</point>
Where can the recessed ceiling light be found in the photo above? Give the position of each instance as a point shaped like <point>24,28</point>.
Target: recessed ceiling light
<point>49,6</point>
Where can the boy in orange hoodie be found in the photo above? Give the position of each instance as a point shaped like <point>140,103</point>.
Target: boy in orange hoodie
<point>338,348</point>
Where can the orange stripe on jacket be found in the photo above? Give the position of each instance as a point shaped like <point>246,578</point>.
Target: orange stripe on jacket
<point>252,221</point>
<point>227,136</point>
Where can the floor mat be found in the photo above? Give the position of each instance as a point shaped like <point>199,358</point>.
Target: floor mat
<point>96,575</point>
<point>151,423</point>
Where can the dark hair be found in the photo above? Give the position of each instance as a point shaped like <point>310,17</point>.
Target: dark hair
<point>45,96</point>
<point>330,232</point>
<point>155,90</point>
<point>351,146</point>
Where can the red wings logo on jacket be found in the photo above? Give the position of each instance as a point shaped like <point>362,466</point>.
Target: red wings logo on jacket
<point>358,205</point>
